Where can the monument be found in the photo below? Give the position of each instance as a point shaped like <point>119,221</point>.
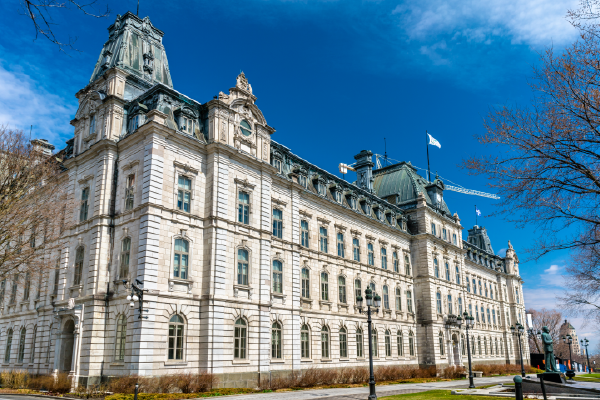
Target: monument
<point>551,374</point>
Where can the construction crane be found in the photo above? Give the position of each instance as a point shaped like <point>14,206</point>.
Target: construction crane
<point>345,167</point>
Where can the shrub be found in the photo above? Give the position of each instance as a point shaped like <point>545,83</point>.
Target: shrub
<point>123,384</point>
<point>452,372</point>
<point>14,379</point>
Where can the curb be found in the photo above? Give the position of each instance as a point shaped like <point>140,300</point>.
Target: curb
<point>46,396</point>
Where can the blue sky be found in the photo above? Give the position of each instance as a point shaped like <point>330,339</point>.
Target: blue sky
<point>333,77</point>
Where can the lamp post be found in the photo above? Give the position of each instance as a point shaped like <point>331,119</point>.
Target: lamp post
<point>470,322</point>
<point>570,373</point>
<point>137,294</point>
<point>372,301</point>
<point>518,330</point>
<point>585,343</point>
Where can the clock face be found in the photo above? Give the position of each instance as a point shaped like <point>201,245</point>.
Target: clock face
<point>246,128</point>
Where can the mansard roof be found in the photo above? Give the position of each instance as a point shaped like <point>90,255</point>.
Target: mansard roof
<point>401,184</point>
<point>134,45</point>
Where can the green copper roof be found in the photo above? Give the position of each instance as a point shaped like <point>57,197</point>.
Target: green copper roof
<point>402,181</point>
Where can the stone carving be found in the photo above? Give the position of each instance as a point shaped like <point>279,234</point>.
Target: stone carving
<point>242,82</point>
<point>71,303</point>
<point>223,132</point>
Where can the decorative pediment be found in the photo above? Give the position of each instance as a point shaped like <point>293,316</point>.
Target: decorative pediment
<point>245,183</point>
<point>186,167</point>
<point>305,213</point>
<point>278,202</point>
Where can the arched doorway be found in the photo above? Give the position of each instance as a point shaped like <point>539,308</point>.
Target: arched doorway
<point>66,348</point>
<point>455,350</point>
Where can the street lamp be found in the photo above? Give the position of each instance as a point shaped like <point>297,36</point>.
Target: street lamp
<point>518,330</point>
<point>375,302</point>
<point>569,340</point>
<point>470,322</point>
<point>136,295</point>
<point>585,343</point>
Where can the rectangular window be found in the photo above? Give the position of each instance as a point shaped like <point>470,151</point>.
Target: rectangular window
<point>304,233</point>
<point>181,260</point>
<point>125,252</point>
<point>324,287</point>
<point>342,289</point>
<point>409,306</point>
<point>476,313</point>
<point>13,293</point>
<point>242,270</point>
<point>340,245</point>
<point>357,288</point>
<point>384,258</point>
<point>457,275</point>
<point>494,316</point>
<point>277,276</point>
<point>454,238</point>
<point>468,285</point>
<point>27,286</point>
<point>305,283</point>
<point>83,210</point>
<point>398,300</point>
<point>356,249</point>
<point>184,193</point>
<point>323,239</point>
<point>343,344</point>
<point>130,192</point>
<point>92,125</point>
<point>78,266</point>
<point>56,276</point>
<point>277,223</point>
<point>450,304</point>
<point>244,208</point>
<point>444,234</point>
<point>359,344</point>
<point>395,262</point>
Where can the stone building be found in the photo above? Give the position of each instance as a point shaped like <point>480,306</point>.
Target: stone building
<point>249,256</point>
<point>567,329</point>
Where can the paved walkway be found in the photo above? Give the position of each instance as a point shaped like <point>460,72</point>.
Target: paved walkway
<point>363,392</point>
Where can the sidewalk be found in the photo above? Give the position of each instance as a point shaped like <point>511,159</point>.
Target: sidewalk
<point>363,392</point>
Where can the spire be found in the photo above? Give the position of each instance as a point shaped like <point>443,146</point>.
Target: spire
<point>135,46</point>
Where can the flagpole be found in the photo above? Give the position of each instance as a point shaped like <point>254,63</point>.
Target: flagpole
<point>428,169</point>
<point>475,214</point>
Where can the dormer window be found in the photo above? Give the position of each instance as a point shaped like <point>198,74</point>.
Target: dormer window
<point>366,207</point>
<point>319,186</point>
<point>379,213</point>
<point>351,202</point>
<point>390,218</point>
<point>337,194</point>
<point>186,124</point>
<point>276,162</point>
<point>245,128</point>
<point>302,180</point>
<point>92,124</point>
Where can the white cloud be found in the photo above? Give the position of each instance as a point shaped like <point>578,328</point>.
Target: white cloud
<point>24,102</point>
<point>502,252</point>
<point>530,22</point>
<point>553,269</point>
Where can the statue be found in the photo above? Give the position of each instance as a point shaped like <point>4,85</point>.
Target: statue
<point>548,350</point>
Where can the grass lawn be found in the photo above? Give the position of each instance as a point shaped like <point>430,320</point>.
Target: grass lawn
<point>588,378</point>
<point>436,394</point>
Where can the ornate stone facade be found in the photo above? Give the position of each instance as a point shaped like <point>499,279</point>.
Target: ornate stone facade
<point>250,257</point>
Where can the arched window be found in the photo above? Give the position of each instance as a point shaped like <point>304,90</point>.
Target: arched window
<point>447,271</point>
<point>240,339</point>
<point>181,260</point>
<point>400,343</point>
<point>370,254</point>
<point>125,252</point>
<point>462,345</point>
<point>343,343</point>
<point>277,276</point>
<point>406,265</point>
<point>33,340</point>
<point>388,344</point>
<point>485,346</point>
<point>9,336</point>
<point>324,286</point>
<point>374,342</point>
<point>411,344</point>
<point>384,258</point>
<point>398,299</point>
<point>438,298</point>
<point>496,344</point>
<point>276,340</point>
<point>501,350</point>
<point>479,344</point>
<point>325,342</point>
<point>409,307</point>
<point>372,287</point>
<point>21,354</point>
<point>176,332</point>
<point>386,297</point>
<point>340,245</point>
<point>242,267</point>
<point>342,289</point>
<point>436,268</point>
<point>395,261</point>
<point>305,283</point>
<point>305,341</point>
<point>78,266</point>
<point>441,342</point>
<point>121,338</point>
<point>359,343</point>
<point>356,249</point>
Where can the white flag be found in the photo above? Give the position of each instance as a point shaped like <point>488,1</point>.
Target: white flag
<point>477,211</point>
<point>434,142</point>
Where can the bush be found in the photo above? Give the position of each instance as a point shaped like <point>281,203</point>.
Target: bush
<point>453,372</point>
<point>123,384</point>
<point>14,379</point>
<point>169,383</point>
<point>176,396</point>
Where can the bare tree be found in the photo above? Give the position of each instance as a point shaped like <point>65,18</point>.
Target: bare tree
<point>544,317</point>
<point>40,14</point>
<point>32,206</point>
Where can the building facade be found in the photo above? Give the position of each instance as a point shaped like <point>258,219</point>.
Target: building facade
<point>250,257</point>
<point>567,329</point>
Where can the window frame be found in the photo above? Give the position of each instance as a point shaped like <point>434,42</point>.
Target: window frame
<point>436,268</point>
<point>341,247</point>
<point>305,293</point>
<point>407,267</point>
<point>8,347</point>
<point>304,234</point>
<point>276,341</point>
<point>21,348</point>
<point>342,289</point>
<point>177,269</point>
<point>343,336</point>
<point>182,191</point>
<point>277,218</point>
<point>244,207</point>
<point>399,343</point>
<point>125,257</point>
<point>383,254</point>
<point>323,239</point>
<point>305,342</point>
<point>178,339</point>
<point>395,261</point>
<point>130,192</point>
<point>120,338</point>
<point>386,297</point>
<point>360,353</point>
<point>240,263</point>
<point>324,286</point>
<point>388,343</point>
<point>370,254</point>
<point>356,249</point>
<point>84,207</point>
<point>240,339</point>
<point>277,277</point>
<point>78,267</point>
<point>325,343</point>
<point>398,293</point>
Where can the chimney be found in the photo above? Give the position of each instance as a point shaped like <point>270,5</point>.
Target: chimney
<point>364,170</point>
<point>42,146</point>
